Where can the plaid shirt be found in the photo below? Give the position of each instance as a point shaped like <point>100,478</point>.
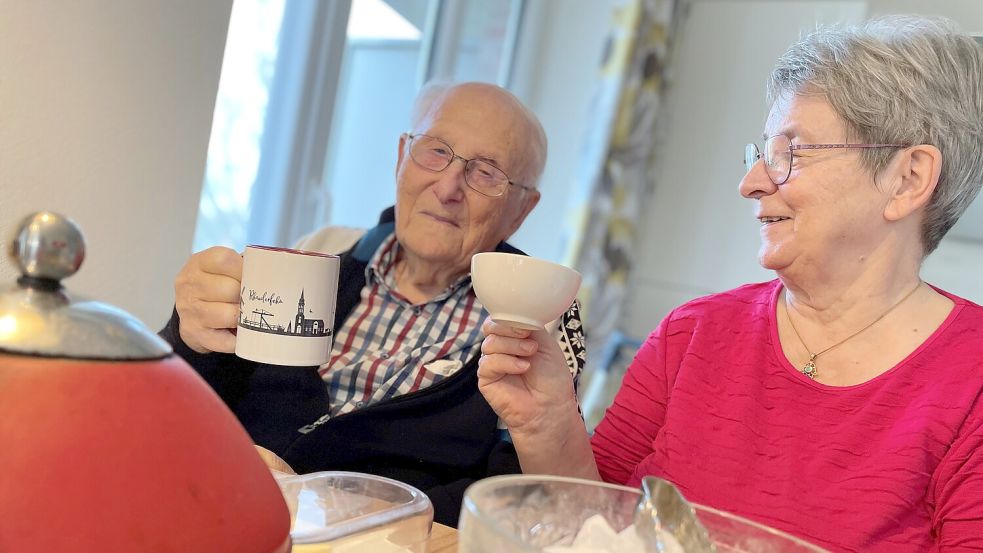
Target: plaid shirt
<point>388,347</point>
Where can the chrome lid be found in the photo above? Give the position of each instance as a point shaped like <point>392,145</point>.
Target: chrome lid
<point>39,317</point>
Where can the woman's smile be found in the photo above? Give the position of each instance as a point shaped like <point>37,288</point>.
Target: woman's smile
<point>772,220</point>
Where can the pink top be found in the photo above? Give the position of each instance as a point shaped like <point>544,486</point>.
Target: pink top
<point>894,464</point>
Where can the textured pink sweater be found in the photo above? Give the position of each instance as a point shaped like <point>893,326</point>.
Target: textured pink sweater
<point>894,464</point>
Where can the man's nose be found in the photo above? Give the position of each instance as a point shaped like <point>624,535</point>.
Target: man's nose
<point>756,182</point>
<point>450,185</point>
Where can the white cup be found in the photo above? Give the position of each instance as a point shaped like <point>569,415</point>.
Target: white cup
<point>287,306</point>
<point>522,291</point>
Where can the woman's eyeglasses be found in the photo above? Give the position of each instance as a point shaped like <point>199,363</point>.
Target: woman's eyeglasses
<point>778,155</point>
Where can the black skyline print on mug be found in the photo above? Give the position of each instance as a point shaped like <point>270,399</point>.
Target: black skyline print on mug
<point>301,325</point>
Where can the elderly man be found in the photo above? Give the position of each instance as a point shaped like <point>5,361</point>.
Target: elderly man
<point>399,396</point>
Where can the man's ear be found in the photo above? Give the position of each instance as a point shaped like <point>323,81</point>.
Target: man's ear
<point>918,173</point>
<point>529,201</point>
<point>399,154</point>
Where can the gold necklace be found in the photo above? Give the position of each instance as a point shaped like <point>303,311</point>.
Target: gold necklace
<point>809,369</point>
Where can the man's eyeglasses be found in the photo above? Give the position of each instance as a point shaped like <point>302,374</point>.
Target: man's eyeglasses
<point>436,155</point>
<point>778,155</point>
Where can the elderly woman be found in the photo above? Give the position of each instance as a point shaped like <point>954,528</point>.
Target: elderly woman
<point>842,402</point>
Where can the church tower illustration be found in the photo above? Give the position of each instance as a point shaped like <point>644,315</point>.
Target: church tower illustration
<point>304,326</point>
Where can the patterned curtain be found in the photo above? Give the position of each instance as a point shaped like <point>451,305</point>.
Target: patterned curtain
<point>618,158</point>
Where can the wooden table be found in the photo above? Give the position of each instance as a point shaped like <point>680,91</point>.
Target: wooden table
<point>443,539</point>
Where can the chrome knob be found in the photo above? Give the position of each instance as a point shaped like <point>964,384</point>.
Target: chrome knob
<point>48,246</point>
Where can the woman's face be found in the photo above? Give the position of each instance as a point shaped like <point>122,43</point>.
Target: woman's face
<point>829,213</point>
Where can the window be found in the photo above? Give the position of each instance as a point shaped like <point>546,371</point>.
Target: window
<point>237,126</point>
<point>379,79</point>
<point>304,135</point>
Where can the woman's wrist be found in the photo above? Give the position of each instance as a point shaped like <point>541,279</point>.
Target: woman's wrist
<point>551,423</point>
<point>558,445</point>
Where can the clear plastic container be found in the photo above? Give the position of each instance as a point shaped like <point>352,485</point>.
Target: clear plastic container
<point>524,514</point>
<point>349,512</point>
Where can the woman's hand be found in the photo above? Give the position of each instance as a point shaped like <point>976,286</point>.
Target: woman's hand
<point>524,377</point>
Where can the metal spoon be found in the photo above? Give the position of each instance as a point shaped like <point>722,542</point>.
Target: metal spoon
<point>663,507</point>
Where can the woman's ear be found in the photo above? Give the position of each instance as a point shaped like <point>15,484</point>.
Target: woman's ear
<point>918,173</point>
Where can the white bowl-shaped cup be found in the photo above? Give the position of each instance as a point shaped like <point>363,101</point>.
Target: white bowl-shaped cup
<point>523,291</point>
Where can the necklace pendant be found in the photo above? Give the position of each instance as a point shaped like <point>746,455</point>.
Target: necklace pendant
<point>809,369</point>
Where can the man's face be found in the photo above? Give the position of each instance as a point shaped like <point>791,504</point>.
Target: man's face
<point>439,219</point>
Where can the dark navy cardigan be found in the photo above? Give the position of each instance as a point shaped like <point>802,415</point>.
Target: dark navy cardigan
<point>439,439</point>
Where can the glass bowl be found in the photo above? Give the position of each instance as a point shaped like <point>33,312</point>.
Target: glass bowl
<point>523,514</point>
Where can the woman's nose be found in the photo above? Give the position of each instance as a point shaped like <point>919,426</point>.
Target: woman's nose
<point>756,182</point>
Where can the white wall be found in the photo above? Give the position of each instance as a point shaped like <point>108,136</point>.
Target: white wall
<point>967,13</point>
<point>106,107</point>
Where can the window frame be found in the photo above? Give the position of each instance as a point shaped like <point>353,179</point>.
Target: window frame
<point>288,198</point>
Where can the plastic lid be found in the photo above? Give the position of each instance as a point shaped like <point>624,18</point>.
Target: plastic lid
<point>328,506</point>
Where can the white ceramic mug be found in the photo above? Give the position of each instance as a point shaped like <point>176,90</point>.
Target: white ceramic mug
<point>287,306</point>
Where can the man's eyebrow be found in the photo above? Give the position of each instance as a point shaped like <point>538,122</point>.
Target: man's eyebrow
<point>482,155</point>
<point>488,157</point>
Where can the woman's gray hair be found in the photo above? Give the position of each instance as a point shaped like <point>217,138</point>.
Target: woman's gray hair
<point>900,80</point>
<point>535,157</point>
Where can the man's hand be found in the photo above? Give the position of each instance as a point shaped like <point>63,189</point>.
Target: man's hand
<point>207,299</point>
<point>525,378</point>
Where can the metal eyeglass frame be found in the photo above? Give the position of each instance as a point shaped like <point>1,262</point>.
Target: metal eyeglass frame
<point>752,154</point>
<point>466,161</point>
